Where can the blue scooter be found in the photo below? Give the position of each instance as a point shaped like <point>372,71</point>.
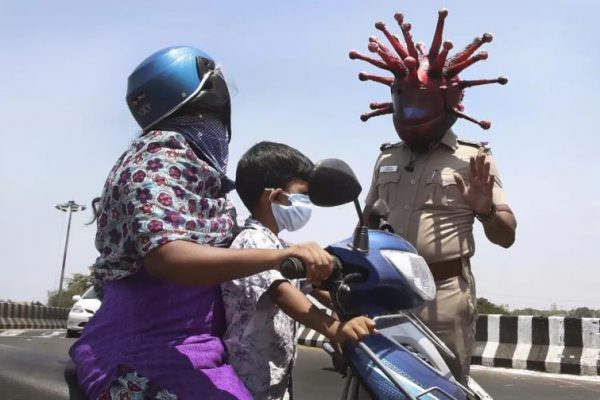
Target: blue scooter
<point>380,275</point>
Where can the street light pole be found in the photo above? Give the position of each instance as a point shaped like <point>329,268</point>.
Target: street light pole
<point>71,207</point>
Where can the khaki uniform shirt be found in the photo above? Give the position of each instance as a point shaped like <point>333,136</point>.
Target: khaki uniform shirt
<point>425,205</point>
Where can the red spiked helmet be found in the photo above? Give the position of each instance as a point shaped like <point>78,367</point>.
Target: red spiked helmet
<point>426,90</point>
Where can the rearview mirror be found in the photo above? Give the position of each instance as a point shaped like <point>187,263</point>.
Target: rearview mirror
<point>332,183</point>
<point>76,298</point>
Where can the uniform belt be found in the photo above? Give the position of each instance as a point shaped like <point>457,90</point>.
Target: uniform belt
<point>446,269</point>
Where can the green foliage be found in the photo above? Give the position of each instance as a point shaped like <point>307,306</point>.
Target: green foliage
<point>484,306</point>
<point>584,312</point>
<point>580,312</point>
<point>76,285</point>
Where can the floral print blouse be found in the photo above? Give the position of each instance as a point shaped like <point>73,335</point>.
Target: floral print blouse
<point>159,191</point>
<point>154,339</point>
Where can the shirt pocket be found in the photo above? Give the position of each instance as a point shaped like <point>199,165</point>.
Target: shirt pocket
<point>387,187</point>
<point>442,190</point>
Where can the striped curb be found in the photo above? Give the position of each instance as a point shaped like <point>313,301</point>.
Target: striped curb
<point>27,316</point>
<point>310,337</point>
<point>560,345</point>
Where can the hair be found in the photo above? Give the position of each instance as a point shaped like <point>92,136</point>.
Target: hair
<point>269,165</point>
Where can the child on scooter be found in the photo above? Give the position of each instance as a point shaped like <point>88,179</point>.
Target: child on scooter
<point>272,181</point>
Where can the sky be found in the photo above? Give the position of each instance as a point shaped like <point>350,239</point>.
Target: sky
<point>65,121</point>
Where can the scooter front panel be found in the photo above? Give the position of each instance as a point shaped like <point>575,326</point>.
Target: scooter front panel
<point>414,376</point>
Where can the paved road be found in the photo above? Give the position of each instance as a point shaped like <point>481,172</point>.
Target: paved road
<point>31,363</point>
<point>318,381</point>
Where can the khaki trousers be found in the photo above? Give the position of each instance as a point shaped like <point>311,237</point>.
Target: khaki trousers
<point>452,316</point>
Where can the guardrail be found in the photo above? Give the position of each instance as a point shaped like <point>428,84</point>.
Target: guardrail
<point>29,316</point>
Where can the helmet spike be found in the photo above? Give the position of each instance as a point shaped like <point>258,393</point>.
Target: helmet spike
<point>379,105</point>
<point>394,41</point>
<point>405,27</point>
<point>363,76</point>
<point>355,55</point>
<point>455,69</point>
<point>413,76</point>
<point>438,66</point>
<point>467,84</point>
<point>483,124</point>
<point>470,49</point>
<point>410,44</point>
<point>393,61</point>
<point>437,37</point>
<point>380,111</point>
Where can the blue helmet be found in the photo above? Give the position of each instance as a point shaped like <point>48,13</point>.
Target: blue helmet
<point>171,78</point>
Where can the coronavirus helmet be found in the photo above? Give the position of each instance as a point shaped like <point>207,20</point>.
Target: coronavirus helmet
<point>426,90</point>
<point>173,77</point>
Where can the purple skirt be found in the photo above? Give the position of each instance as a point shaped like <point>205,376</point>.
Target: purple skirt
<point>168,333</point>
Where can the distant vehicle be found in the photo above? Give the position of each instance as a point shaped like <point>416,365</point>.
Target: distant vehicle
<point>84,308</point>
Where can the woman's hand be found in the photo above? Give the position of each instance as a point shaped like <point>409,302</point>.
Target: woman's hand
<point>319,264</point>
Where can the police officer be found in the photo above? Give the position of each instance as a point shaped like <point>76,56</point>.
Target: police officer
<point>434,183</point>
<point>435,189</point>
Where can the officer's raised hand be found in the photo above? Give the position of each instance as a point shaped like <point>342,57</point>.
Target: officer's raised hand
<point>478,192</point>
<point>499,223</point>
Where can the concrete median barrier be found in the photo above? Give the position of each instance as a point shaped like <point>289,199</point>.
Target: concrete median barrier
<point>29,316</point>
<point>559,345</point>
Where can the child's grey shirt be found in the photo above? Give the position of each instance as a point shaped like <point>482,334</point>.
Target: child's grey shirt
<point>260,338</point>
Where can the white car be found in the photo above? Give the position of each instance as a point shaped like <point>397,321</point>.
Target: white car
<point>84,308</point>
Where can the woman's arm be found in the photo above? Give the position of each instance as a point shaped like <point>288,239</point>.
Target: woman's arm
<point>190,263</point>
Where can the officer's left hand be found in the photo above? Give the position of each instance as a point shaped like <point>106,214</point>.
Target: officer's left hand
<point>478,193</point>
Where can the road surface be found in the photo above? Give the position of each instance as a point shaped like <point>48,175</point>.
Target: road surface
<point>31,364</point>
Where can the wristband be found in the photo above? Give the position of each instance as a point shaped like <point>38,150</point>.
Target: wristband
<point>487,217</point>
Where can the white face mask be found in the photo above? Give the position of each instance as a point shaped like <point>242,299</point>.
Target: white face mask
<point>294,216</point>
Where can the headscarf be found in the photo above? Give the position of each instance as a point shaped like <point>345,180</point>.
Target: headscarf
<point>208,137</point>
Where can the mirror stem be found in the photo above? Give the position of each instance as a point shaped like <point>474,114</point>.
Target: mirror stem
<point>361,233</point>
<point>361,220</point>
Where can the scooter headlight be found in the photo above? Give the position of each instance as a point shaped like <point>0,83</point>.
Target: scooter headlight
<point>414,268</point>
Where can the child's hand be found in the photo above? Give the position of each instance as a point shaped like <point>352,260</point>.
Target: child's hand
<point>318,263</point>
<point>356,329</point>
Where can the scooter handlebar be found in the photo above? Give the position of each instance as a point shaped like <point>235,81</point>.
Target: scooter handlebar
<point>293,268</point>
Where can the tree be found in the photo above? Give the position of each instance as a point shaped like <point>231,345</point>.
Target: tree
<point>484,306</point>
<point>581,312</point>
<point>528,311</point>
<point>77,284</point>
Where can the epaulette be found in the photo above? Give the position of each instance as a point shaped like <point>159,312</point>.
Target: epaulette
<point>388,145</point>
<point>482,146</point>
